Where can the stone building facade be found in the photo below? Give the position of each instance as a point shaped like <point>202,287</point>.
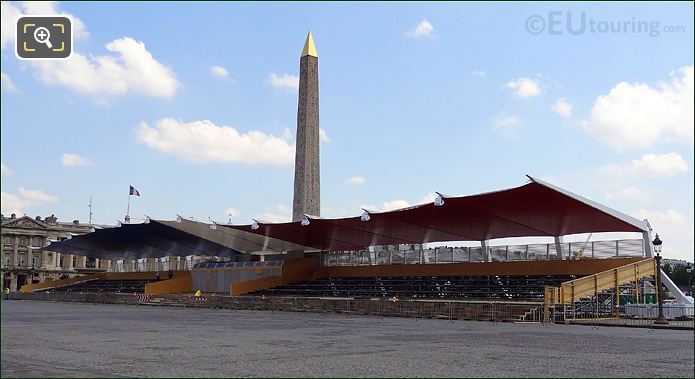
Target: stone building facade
<point>24,259</point>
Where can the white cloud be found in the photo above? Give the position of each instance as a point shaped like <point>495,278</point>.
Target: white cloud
<point>203,141</point>
<point>219,71</point>
<point>394,204</point>
<point>287,135</point>
<point>232,212</point>
<point>19,203</point>
<point>563,108</point>
<point>423,29</point>
<point>272,217</point>
<point>36,196</point>
<point>12,11</point>
<point>6,170</point>
<point>282,208</point>
<point>131,68</point>
<point>638,115</point>
<point>398,204</point>
<point>479,73</point>
<point>40,7</point>
<point>505,125</point>
<point>10,15</point>
<point>12,203</point>
<point>648,166</point>
<point>524,87</point>
<point>72,160</point>
<point>288,82</point>
<point>356,180</point>
<point>281,213</point>
<point>370,207</point>
<point>629,194</point>
<point>7,84</point>
<point>323,136</point>
<point>674,228</point>
<point>429,198</point>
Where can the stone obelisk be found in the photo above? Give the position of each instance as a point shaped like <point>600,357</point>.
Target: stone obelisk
<point>307,175</point>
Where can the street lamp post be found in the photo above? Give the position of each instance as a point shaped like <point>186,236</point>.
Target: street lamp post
<point>6,279</point>
<point>659,293</point>
<point>689,270</point>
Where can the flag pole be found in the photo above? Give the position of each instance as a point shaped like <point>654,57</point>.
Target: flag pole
<point>127,213</point>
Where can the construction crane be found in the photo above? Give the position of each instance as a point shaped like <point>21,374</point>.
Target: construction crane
<point>581,251</point>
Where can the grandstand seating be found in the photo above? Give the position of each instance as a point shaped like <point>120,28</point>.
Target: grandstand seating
<point>510,287</point>
<point>110,286</point>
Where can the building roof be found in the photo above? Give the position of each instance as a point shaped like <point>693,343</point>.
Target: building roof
<point>51,224</point>
<point>534,209</point>
<point>161,238</point>
<point>236,239</point>
<point>153,239</point>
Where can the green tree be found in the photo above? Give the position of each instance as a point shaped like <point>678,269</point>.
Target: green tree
<point>679,275</point>
<point>666,268</point>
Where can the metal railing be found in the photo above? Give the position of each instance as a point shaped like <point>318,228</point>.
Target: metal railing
<point>161,264</point>
<point>504,253</point>
<point>677,315</point>
<point>644,315</point>
<point>449,310</point>
<point>591,285</point>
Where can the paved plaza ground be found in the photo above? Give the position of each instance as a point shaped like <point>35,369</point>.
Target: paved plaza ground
<point>72,339</point>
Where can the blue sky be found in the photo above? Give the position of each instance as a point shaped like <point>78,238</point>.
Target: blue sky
<point>415,98</point>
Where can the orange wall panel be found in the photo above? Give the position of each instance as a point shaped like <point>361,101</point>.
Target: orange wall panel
<point>58,283</point>
<point>299,269</point>
<point>182,284</point>
<point>240,288</point>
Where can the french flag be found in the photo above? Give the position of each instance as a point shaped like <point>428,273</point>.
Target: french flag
<point>134,191</point>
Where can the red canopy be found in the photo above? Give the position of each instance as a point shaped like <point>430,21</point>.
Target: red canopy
<point>534,209</point>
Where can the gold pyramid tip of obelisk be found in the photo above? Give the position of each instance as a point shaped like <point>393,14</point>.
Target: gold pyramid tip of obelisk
<point>310,47</point>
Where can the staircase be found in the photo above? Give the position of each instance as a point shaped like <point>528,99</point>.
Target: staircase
<point>578,290</point>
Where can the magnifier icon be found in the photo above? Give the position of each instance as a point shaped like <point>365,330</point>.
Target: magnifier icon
<point>42,35</point>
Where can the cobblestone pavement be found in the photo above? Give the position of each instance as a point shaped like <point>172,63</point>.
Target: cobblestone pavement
<point>87,340</point>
